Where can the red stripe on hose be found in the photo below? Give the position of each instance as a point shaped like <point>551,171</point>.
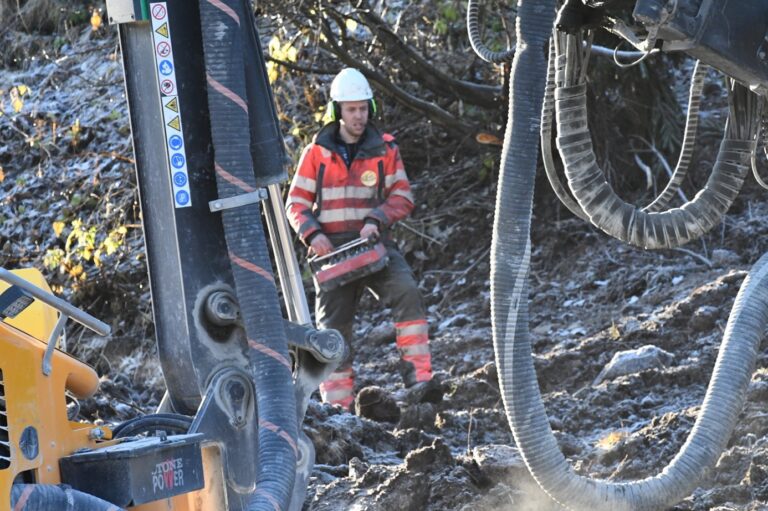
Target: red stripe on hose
<point>226,9</point>
<point>282,434</point>
<point>221,89</point>
<point>232,179</point>
<point>269,352</point>
<point>272,500</point>
<point>247,265</point>
<point>22,502</point>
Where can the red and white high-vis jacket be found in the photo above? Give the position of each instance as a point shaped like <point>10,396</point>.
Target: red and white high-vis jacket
<point>327,196</point>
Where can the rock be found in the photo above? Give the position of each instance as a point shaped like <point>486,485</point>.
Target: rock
<point>404,491</point>
<point>634,361</point>
<point>376,404</point>
<point>488,373</point>
<point>423,392</point>
<point>500,462</point>
<point>435,456</point>
<point>421,416</point>
<point>456,320</point>
<point>724,257</point>
<point>357,468</point>
<point>381,334</point>
<point>704,318</point>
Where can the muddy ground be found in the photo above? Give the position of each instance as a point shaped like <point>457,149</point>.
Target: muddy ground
<point>591,297</point>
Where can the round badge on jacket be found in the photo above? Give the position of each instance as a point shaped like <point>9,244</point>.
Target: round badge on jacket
<point>369,178</point>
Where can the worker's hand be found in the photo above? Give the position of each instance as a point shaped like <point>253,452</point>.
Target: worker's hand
<point>369,230</point>
<point>321,245</point>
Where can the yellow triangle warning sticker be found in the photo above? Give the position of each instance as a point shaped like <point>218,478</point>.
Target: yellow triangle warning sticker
<point>173,105</point>
<point>163,30</point>
<point>175,123</point>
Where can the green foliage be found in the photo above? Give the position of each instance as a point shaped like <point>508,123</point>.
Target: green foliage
<point>85,248</point>
<point>487,168</point>
<point>449,17</point>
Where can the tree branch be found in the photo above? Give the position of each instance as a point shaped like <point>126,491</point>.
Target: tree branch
<point>451,123</point>
<point>428,75</point>
<point>302,69</point>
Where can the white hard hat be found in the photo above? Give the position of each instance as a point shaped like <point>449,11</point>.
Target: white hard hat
<point>350,85</point>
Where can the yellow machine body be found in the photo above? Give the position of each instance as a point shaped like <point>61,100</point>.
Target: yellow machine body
<point>33,402</point>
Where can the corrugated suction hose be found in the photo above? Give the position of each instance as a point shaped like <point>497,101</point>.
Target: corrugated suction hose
<point>509,287</point>
<point>227,32</point>
<point>45,497</point>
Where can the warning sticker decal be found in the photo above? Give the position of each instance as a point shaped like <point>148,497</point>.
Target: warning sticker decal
<point>166,82</point>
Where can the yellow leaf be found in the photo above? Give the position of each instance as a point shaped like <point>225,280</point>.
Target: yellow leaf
<point>58,227</point>
<point>274,46</point>
<point>95,20</point>
<point>272,72</point>
<point>351,25</point>
<point>76,271</point>
<point>17,105</point>
<point>292,54</point>
<point>23,89</point>
<point>614,332</point>
<point>2,174</point>
<point>76,128</point>
<point>611,439</point>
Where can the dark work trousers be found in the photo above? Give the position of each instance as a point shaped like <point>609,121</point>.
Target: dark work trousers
<point>394,286</point>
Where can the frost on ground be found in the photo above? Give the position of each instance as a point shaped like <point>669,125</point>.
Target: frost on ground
<point>624,340</point>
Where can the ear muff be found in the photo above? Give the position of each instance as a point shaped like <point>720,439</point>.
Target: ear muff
<point>334,109</point>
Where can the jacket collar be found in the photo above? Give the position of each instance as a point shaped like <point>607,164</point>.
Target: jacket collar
<point>371,146</point>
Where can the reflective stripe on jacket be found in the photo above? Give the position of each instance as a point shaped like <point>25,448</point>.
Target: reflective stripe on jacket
<point>327,195</point>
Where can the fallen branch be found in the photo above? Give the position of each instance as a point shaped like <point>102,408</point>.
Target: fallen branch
<point>421,234</point>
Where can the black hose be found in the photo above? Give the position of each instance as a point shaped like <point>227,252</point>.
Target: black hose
<point>606,210</point>
<point>482,51</point>
<point>45,497</point>
<point>169,422</point>
<point>511,246</point>
<point>512,342</point>
<point>224,37</point>
<point>547,155</point>
<point>662,202</point>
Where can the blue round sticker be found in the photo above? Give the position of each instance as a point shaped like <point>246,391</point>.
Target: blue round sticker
<point>166,68</point>
<point>175,142</point>
<point>180,179</point>
<point>182,198</point>
<point>177,160</point>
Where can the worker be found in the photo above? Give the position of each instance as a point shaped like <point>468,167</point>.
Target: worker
<point>350,183</point>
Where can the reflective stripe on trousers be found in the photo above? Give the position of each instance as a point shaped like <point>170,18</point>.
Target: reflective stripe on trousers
<point>337,389</point>
<point>413,344</point>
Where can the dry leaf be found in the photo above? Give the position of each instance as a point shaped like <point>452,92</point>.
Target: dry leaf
<point>95,20</point>
<point>487,139</point>
<point>58,227</point>
<point>614,332</point>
